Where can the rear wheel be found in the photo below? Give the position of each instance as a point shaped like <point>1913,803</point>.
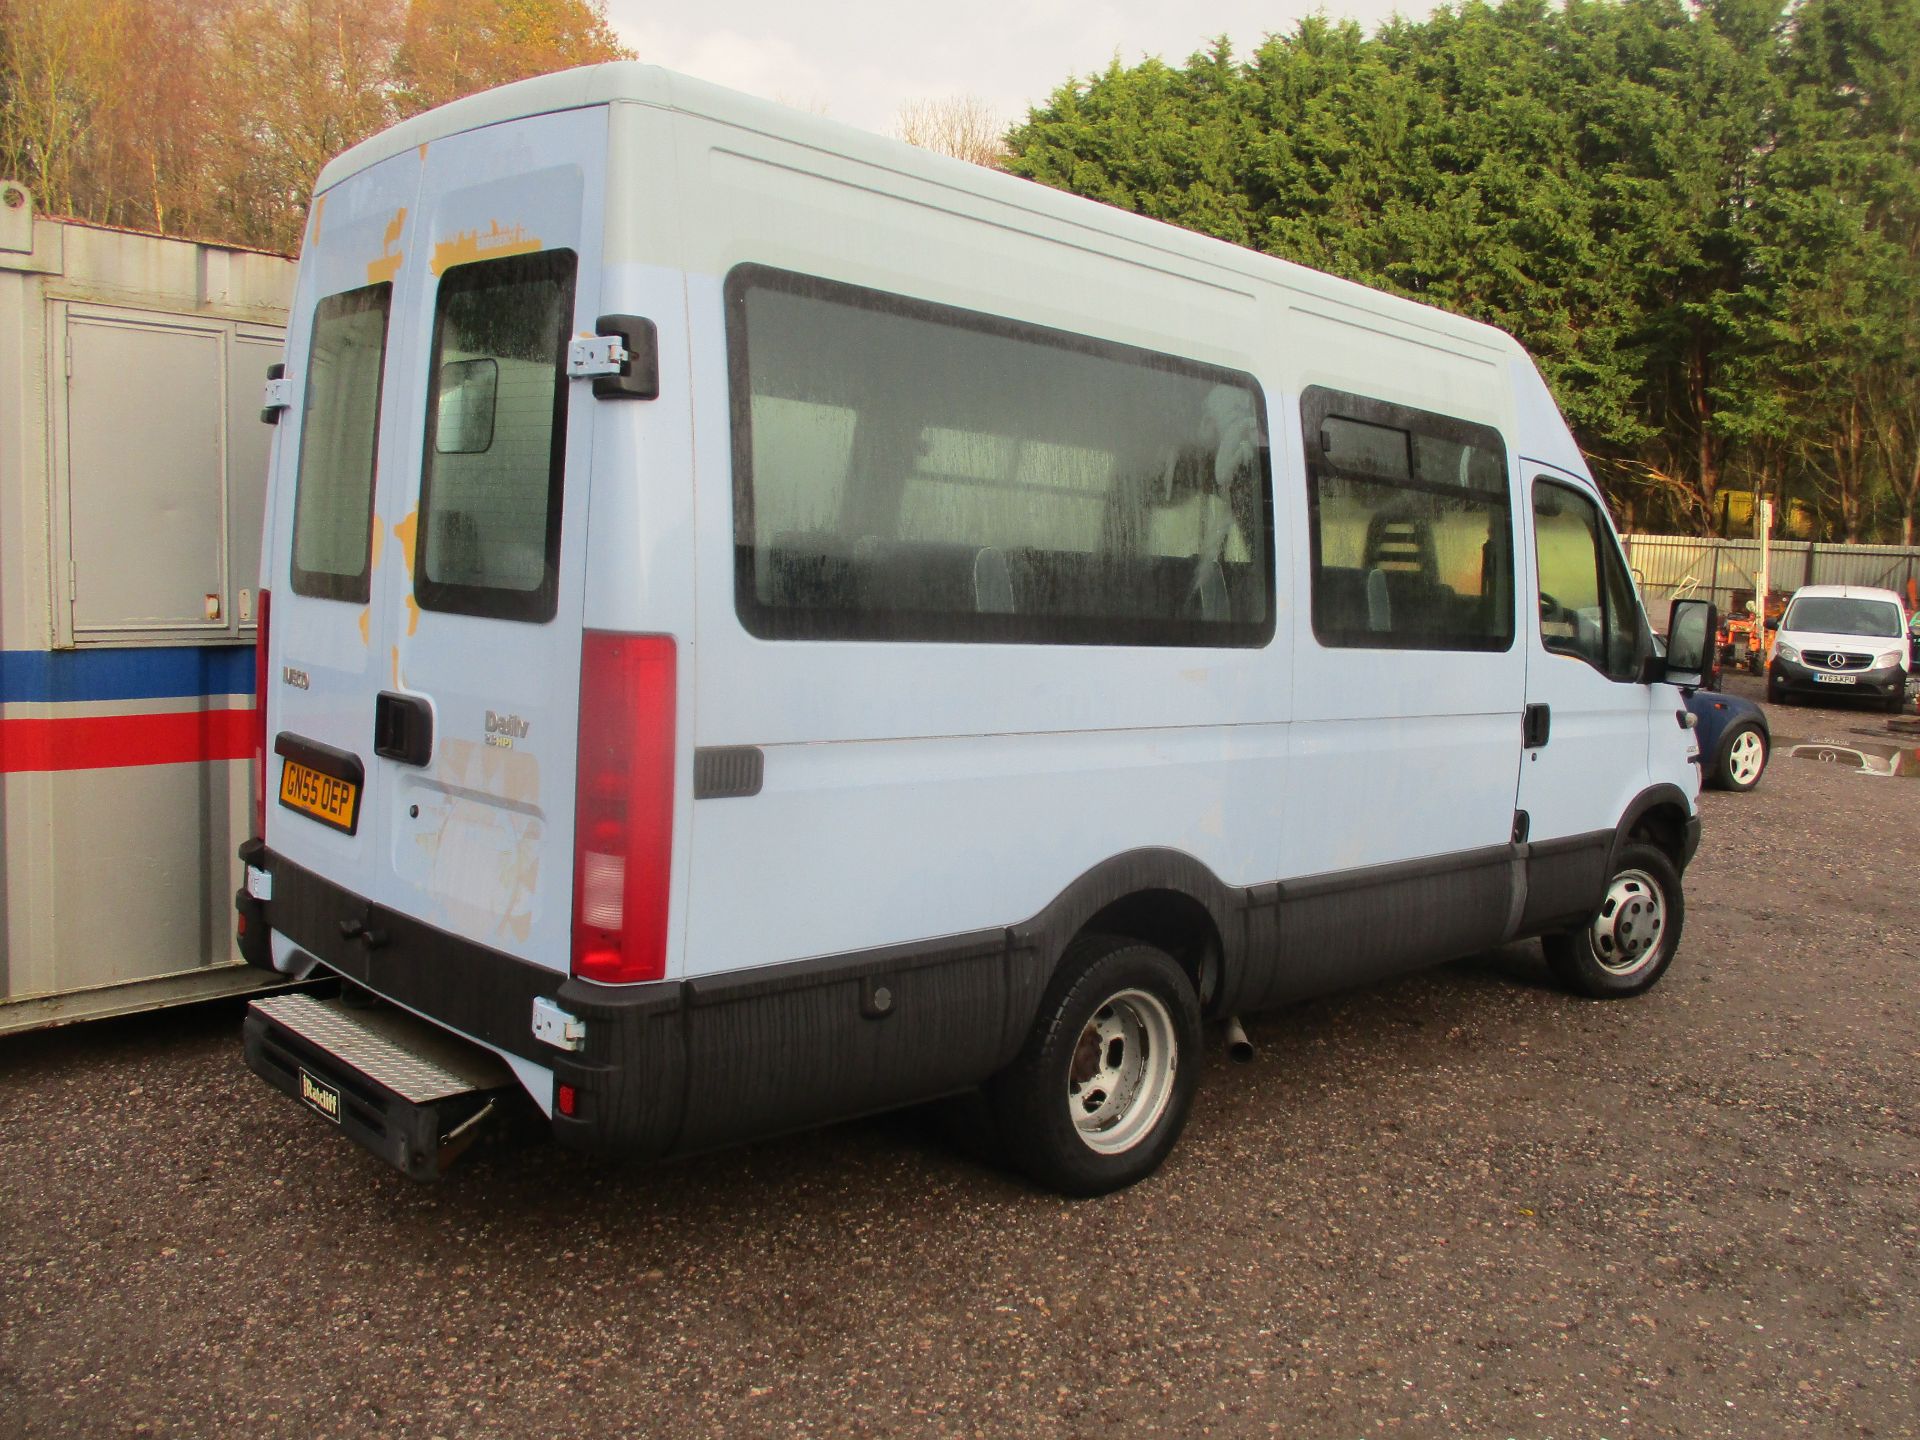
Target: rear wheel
<point>1743,758</point>
<point>1626,947</point>
<point>1100,1091</point>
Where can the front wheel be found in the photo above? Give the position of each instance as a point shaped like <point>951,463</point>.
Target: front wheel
<point>1743,758</point>
<point>1627,945</point>
<point>1100,1091</point>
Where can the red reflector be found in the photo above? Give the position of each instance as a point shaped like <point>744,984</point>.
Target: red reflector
<point>565,1099</point>
<point>623,808</point>
<point>240,926</point>
<point>260,678</point>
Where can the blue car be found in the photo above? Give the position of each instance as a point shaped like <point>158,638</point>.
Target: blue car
<point>1734,738</point>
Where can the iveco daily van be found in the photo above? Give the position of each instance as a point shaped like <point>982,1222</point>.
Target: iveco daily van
<point>762,624</point>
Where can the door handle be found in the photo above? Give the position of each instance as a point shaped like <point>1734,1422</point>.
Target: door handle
<point>403,728</point>
<point>1535,726</point>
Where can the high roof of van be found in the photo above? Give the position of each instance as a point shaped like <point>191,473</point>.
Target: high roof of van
<point>632,82</point>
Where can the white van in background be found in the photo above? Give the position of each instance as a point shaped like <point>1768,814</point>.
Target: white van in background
<point>1841,640</point>
<point>769,624</point>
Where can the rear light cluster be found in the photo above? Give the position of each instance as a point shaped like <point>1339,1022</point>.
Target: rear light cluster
<point>623,811</point>
<point>260,677</point>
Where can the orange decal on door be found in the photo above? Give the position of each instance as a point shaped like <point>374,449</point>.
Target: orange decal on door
<point>406,532</point>
<point>473,245</point>
<point>388,265</point>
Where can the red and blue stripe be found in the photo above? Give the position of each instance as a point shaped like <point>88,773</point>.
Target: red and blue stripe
<point>82,709</point>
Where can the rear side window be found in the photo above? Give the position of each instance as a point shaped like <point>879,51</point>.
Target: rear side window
<point>1411,527</point>
<point>490,482</point>
<point>339,435</point>
<point>910,471</point>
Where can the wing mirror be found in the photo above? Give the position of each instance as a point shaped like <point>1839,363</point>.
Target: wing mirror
<point>1692,630</point>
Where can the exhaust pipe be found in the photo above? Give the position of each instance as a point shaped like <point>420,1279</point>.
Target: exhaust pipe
<point>1239,1047</point>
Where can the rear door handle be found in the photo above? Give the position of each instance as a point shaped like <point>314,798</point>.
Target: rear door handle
<point>403,728</point>
<point>1535,726</point>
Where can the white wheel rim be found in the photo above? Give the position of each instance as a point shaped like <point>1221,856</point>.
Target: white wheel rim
<point>1120,1076</point>
<point>1631,929</point>
<point>1746,756</point>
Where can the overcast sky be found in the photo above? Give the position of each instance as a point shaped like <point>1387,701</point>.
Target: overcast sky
<point>861,60</point>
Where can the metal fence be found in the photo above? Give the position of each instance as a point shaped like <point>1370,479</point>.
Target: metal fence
<point>1671,567</point>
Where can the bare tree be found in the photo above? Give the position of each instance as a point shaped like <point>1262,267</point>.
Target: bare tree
<point>963,126</point>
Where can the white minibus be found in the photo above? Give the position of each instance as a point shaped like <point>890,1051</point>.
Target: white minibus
<point>762,624</point>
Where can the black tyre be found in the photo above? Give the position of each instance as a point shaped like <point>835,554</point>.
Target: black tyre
<point>1775,695</point>
<point>1626,947</point>
<point>1743,757</point>
<point>1100,1091</point>
<point>1896,703</point>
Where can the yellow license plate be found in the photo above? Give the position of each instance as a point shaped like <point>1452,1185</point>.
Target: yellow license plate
<point>326,798</point>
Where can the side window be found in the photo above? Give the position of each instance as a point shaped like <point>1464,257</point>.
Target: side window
<point>490,481</point>
<point>1587,608</point>
<point>1411,527</point>
<point>910,471</point>
<point>339,434</point>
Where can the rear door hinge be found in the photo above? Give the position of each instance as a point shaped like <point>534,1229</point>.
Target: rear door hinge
<point>278,394</point>
<point>596,355</point>
<point>621,357</point>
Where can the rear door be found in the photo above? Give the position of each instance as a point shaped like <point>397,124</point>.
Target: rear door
<point>482,608</point>
<point>456,686</point>
<point>343,361</point>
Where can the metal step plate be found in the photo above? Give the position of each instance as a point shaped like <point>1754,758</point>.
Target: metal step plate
<point>415,1060</point>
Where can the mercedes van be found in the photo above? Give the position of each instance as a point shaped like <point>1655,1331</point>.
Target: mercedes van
<point>762,624</point>
<point>1841,640</point>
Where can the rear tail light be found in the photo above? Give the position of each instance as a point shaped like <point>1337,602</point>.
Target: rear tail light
<point>623,810</point>
<point>260,674</point>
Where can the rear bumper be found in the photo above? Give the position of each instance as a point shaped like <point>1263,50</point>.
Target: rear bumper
<point>677,1066</point>
<point>630,1076</point>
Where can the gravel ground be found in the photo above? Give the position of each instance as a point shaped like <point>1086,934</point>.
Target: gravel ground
<point>1458,1204</point>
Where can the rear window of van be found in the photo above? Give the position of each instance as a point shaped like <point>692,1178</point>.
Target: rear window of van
<point>496,438</point>
<point>339,435</point>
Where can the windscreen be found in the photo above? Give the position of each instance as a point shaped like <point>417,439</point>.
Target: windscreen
<point>1841,615</point>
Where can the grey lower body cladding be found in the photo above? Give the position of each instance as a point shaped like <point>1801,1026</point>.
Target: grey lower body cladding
<point>679,1066</point>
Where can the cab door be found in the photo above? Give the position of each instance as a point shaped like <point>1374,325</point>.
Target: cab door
<point>1584,755</point>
